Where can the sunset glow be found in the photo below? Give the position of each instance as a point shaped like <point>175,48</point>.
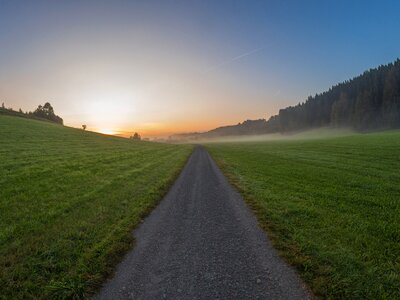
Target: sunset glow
<point>107,131</point>
<point>158,68</point>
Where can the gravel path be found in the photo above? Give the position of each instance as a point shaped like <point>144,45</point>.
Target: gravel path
<point>202,242</point>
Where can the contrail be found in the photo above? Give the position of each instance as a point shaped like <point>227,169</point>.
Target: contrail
<point>233,59</point>
<point>246,54</point>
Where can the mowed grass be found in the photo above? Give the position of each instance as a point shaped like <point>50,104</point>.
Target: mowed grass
<point>330,205</point>
<point>68,202</point>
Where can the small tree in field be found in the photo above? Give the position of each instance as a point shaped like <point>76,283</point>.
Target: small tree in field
<point>136,137</point>
<point>84,127</point>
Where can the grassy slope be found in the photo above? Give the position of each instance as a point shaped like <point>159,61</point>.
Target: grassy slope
<point>68,202</point>
<point>331,206</point>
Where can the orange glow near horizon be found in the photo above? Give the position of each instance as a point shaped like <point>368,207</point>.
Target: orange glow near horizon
<point>107,131</point>
<point>140,79</point>
<point>157,130</point>
<point>167,67</point>
<point>163,130</point>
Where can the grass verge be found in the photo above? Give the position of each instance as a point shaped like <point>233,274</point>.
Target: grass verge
<point>330,205</point>
<point>69,200</point>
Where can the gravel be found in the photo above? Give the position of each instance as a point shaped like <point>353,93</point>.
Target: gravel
<point>202,242</point>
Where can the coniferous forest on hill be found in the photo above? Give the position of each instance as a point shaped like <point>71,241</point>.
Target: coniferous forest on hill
<point>367,102</point>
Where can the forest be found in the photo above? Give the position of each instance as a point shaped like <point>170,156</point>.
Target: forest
<point>367,102</point>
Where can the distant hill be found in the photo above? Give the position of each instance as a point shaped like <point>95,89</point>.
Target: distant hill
<point>245,128</point>
<point>248,127</point>
<point>367,102</point>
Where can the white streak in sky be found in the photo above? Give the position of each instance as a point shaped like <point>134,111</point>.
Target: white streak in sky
<point>231,60</point>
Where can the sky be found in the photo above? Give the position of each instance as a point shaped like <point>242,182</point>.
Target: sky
<point>164,67</point>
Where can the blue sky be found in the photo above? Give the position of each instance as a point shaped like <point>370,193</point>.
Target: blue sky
<point>173,66</point>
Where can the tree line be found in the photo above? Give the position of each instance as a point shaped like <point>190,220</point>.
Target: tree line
<point>370,101</point>
<point>367,102</point>
<point>45,112</point>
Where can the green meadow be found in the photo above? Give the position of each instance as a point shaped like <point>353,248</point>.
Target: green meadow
<point>68,202</point>
<point>331,206</point>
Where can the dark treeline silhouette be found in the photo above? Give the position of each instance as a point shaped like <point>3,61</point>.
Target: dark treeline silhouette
<point>367,102</point>
<point>370,101</point>
<point>45,112</point>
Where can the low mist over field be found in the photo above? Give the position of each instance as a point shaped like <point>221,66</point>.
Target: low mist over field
<point>320,133</point>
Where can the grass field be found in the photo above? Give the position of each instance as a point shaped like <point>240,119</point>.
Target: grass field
<point>330,205</point>
<point>68,202</point>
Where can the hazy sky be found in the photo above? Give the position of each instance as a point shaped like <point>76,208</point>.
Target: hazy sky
<point>160,67</point>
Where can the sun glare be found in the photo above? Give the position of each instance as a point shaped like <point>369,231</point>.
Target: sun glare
<point>107,131</point>
<point>109,108</point>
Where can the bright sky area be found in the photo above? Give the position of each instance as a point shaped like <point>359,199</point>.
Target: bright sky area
<point>163,67</point>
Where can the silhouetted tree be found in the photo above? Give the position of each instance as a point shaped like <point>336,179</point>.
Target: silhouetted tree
<point>136,136</point>
<point>84,127</point>
<point>47,112</point>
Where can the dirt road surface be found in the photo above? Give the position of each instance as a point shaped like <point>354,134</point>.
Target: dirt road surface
<point>202,242</point>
